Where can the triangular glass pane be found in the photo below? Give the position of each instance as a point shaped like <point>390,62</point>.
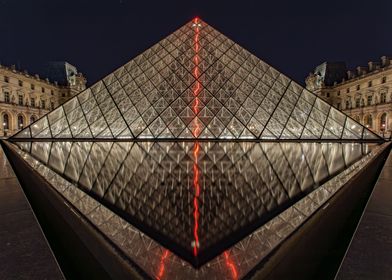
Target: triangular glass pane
<point>25,133</point>
<point>39,126</point>
<point>267,134</point>
<point>306,134</point>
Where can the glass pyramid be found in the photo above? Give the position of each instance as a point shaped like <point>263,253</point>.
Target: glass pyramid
<point>196,83</point>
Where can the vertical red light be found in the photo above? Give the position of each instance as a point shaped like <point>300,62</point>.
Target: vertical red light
<point>161,270</point>
<point>231,266</point>
<point>196,149</point>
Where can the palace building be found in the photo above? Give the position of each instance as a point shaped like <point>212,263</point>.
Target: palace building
<point>26,97</point>
<point>364,93</point>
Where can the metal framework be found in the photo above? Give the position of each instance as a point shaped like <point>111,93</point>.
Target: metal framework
<point>196,84</point>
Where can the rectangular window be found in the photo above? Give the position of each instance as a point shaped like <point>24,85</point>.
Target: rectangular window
<point>6,79</point>
<point>32,86</point>
<point>338,106</point>
<point>358,87</point>
<point>347,90</point>
<point>20,83</point>
<point>384,80</point>
<point>370,83</point>
<point>369,100</point>
<point>6,97</point>
<point>63,95</point>
<point>43,104</point>
<point>43,90</point>
<point>357,102</point>
<point>52,105</point>
<point>20,100</point>
<point>32,102</point>
<point>339,93</point>
<point>51,92</point>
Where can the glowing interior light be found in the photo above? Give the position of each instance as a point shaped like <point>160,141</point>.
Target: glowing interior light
<point>161,270</point>
<point>196,89</point>
<point>230,264</point>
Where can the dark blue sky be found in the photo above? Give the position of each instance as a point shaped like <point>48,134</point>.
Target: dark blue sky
<point>99,36</point>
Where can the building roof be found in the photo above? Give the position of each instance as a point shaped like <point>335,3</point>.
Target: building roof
<point>59,71</point>
<point>331,72</point>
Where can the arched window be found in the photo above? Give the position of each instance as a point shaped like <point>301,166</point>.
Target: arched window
<point>369,121</point>
<point>32,119</point>
<point>383,122</point>
<point>20,122</point>
<point>6,121</point>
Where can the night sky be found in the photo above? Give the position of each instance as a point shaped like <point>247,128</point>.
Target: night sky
<point>99,36</point>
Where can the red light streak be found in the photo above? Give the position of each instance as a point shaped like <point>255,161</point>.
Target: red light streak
<point>196,150</point>
<point>230,264</point>
<point>161,271</point>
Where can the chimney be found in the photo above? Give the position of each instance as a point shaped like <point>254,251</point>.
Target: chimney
<point>350,74</point>
<point>385,61</point>
<point>371,65</point>
<point>361,70</point>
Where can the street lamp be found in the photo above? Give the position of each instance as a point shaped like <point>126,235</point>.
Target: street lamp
<point>5,128</point>
<point>383,130</point>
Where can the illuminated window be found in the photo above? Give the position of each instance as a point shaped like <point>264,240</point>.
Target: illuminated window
<point>6,97</point>
<point>20,100</point>
<point>383,122</point>
<point>369,100</point>
<point>383,97</point>
<point>6,121</point>
<point>32,118</point>
<point>369,121</point>
<point>20,122</point>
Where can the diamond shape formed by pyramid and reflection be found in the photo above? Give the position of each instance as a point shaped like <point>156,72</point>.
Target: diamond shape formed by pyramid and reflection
<point>196,83</point>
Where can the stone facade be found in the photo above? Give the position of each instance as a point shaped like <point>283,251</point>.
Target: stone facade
<point>364,94</point>
<point>24,97</point>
